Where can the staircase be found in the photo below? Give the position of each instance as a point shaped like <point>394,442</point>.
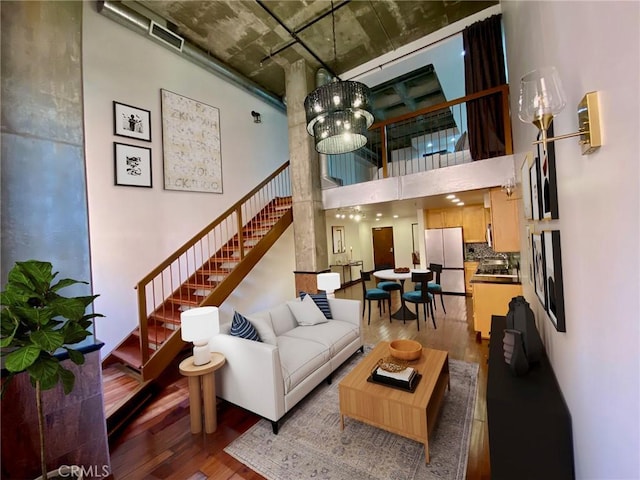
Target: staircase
<point>204,271</point>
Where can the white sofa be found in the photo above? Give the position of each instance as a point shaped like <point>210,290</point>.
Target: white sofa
<point>271,376</point>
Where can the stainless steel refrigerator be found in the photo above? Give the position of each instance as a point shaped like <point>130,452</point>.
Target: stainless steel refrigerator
<point>446,247</point>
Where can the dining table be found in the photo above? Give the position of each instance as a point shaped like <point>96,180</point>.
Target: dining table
<point>403,313</point>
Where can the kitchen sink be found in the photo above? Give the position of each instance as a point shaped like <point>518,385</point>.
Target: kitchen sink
<point>494,262</point>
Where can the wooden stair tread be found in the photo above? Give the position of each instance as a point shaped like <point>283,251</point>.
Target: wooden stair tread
<point>129,352</point>
<point>156,334</point>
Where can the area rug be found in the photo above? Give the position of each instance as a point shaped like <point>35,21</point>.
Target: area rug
<point>310,443</point>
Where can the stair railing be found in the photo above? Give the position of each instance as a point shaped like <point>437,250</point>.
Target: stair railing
<point>220,237</point>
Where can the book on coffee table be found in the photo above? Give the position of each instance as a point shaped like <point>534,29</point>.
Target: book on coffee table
<point>406,379</point>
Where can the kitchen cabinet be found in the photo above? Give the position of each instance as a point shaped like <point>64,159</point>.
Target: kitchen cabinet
<point>505,221</point>
<point>469,269</point>
<point>474,226</point>
<point>444,217</point>
<point>491,299</point>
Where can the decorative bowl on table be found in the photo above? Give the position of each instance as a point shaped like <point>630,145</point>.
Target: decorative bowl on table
<point>404,349</point>
<point>401,270</point>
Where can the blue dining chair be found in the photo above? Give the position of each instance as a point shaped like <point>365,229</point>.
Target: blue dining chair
<point>369,294</point>
<point>435,287</point>
<point>421,296</point>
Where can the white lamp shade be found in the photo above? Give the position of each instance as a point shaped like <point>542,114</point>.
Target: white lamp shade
<point>199,324</point>
<point>328,282</point>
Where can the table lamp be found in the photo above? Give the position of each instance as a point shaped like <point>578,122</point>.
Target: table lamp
<point>198,325</point>
<point>329,282</point>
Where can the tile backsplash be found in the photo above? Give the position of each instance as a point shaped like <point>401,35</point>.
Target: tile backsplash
<point>480,251</point>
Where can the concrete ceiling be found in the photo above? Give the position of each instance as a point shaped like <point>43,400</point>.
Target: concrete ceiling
<point>258,38</point>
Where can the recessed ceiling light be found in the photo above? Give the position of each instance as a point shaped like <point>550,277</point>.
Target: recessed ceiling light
<point>378,214</point>
<point>460,204</point>
<point>377,219</point>
<point>455,200</point>
<point>395,216</point>
<point>451,195</point>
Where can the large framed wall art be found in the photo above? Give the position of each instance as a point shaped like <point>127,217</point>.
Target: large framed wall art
<point>539,274</point>
<point>553,275</point>
<point>191,143</point>
<point>548,181</point>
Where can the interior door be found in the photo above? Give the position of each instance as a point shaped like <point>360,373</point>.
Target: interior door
<point>383,256</point>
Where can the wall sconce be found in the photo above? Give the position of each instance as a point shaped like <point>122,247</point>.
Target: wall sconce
<point>329,282</point>
<point>542,98</point>
<point>509,187</point>
<point>198,325</point>
<point>256,117</point>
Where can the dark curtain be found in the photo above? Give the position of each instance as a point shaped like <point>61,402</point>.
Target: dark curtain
<point>484,68</point>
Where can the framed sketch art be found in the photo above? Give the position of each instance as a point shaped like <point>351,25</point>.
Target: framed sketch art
<point>548,181</point>
<point>132,165</point>
<point>191,143</point>
<point>539,275</point>
<point>131,122</point>
<point>553,275</point>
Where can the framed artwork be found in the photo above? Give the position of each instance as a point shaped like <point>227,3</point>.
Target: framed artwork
<point>132,165</point>
<point>530,254</point>
<point>534,185</point>
<point>337,237</point>
<point>548,179</point>
<point>553,275</point>
<point>539,275</point>
<point>526,186</point>
<point>131,122</point>
<point>191,144</point>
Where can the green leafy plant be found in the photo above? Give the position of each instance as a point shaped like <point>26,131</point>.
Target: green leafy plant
<point>36,322</point>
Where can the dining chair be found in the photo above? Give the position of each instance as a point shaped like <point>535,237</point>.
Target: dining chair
<point>369,294</point>
<point>436,287</point>
<point>421,296</point>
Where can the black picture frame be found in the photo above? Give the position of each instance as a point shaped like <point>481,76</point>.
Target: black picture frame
<point>132,165</point>
<point>548,179</point>
<point>534,185</point>
<point>131,122</point>
<point>553,279</point>
<point>539,273</point>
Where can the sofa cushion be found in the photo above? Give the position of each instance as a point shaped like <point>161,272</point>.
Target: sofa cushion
<point>321,301</point>
<point>282,319</point>
<point>306,312</point>
<point>262,323</point>
<point>299,358</point>
<point>241,327</point>
<point>334,334</point>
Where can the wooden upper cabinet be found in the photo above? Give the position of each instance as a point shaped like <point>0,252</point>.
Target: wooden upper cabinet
<point>505,222</point>
<point>473,224</point>
<point>452,217</point>
<point>444,217</point>
<point>434,218</point>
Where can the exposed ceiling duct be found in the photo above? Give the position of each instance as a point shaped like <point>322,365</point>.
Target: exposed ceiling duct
<point>142,25</point>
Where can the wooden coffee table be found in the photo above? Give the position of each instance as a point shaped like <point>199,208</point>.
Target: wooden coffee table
<point>412,415</point>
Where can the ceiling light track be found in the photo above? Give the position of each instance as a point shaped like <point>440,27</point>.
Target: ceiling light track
<point>294,35</point>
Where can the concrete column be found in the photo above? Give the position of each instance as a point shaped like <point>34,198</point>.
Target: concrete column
<point>309,224</point>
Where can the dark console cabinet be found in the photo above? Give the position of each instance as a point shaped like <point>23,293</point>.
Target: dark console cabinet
<point>529,422</point>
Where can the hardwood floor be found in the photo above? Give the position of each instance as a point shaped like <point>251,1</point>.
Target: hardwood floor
<point>158,443</point>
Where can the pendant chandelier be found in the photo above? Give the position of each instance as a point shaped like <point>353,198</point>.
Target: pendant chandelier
<point>338,113</point>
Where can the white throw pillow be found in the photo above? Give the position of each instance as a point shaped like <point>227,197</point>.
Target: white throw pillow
<point>264,327</point>
<point>306,311</point>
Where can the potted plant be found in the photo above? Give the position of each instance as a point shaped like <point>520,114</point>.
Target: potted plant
<point>36,322</point>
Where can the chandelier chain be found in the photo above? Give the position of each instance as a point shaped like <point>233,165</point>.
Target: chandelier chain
<point>333,22</point>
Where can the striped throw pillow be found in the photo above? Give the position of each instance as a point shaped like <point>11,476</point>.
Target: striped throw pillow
<point>321,301</point>
<point>241,327</point>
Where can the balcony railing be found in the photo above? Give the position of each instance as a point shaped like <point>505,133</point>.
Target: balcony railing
<point>473,127</point>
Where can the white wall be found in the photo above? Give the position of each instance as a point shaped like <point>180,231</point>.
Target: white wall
<point>133,229</point>
<point>595,46</point>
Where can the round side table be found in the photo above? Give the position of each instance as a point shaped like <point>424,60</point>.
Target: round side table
<point>202,375</point>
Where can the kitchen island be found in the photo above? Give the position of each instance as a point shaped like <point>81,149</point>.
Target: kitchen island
<point>494,285</point>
